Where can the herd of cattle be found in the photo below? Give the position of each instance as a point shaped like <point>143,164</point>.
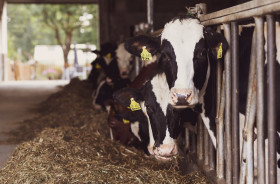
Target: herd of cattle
<point>176,86</point>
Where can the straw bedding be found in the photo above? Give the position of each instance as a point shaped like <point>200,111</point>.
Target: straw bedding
<point>68,142</point>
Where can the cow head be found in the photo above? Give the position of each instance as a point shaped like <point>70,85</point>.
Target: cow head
<point>124,60</point>
<point>185,51</point>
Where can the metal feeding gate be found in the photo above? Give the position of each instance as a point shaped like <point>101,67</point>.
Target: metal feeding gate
<point>230,168</point>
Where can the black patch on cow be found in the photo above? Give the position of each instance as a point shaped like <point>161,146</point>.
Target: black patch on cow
<point>135,45</point>
<point>198,108</point>
<point>173,122</point>
<point>156,115</point>
<point>200,64</point>
<point>167,62</point>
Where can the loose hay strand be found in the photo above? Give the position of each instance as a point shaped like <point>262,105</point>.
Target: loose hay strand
<point>69,142</point>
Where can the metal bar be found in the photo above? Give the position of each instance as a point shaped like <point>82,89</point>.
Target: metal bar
<point>206,146</point>
<point>260,97</point>
<point>249,100</point>
<point>271,60</point>
<point>150,14</point>
<point>194,142</point>
<point>235,103</point>
<point>250,141</point>
<point>211,155</point>
<point>220,132</point>
<point>200,139</point>
<point>228,119</point>
<point>242,11</point>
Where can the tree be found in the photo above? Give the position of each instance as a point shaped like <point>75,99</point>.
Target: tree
<point>64,20</point>
<point>26,27</point>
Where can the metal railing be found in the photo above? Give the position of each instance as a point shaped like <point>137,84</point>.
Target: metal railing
<point>230,168</point>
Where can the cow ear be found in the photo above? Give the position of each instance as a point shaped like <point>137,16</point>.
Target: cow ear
<point>124,96</point>
<point>135,45</point>
<point>216,42</point>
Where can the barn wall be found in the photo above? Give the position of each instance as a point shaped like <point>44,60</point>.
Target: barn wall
<point>118,16</point>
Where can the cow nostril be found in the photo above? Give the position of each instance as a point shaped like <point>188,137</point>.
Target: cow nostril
<point>124,73</point>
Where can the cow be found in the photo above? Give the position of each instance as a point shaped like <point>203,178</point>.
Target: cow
<point>123,123</point>
<point>103,60</point>
<point>117,68</point>
<point>184,42</point>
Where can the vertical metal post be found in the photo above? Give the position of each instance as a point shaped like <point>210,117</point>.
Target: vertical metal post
<point>211,155</point>
<point>200,139</point>
<point>150,14</point>
<point>228,109</point>
<point>206,146</point>
<point>235,103</point>
<point>249,114</point>
<point>187,140</point>
<point>250,141</point>
<point>194,142</point>
<point>260,97</point>
<point>271,60</point>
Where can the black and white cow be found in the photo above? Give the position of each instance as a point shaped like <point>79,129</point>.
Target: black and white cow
<point>117,69</point>
<point>186,50</point>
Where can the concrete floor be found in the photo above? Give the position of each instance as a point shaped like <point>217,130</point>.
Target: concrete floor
<point>17,99</point>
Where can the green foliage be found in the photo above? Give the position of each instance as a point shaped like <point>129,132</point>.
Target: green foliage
<point>29,25</point>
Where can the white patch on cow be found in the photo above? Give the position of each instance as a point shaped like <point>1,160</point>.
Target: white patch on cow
<point>108,108</point>
<point>151,136</point>
<point>168,140</point>
<point>206,122</point>
<point>154,58</point>
<point>123,57</point>
<point>183,36</point>
<point>135,129</point>
<point>161,91</point>
<point>97,92</point>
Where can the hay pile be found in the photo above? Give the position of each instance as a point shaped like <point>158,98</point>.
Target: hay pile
<point>69,143</point>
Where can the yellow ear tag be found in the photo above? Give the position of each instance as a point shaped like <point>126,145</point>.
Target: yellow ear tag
<point>125,121</point>
<point>108,55</point>
<point>134,106</point>
<point>97,66</point>
<point>220,52</point>
<point>145,55</point>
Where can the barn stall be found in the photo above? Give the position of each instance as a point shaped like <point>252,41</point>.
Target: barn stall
<point>80,129</point>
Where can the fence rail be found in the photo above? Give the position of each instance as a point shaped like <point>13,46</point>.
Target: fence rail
<point>228,148</point>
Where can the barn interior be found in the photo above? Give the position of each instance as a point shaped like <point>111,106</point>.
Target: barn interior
<point>61,118</point>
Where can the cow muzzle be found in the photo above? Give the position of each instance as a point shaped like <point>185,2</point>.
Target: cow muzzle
<point>181,97</point>
<point>165,151</point>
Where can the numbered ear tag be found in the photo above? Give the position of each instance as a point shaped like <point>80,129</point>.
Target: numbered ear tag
<point>220,52</point>
<point>134,106</point>
<point>125,121</point>
<point>145,55</point>
<point>108,55</point>
<point>97,66</point>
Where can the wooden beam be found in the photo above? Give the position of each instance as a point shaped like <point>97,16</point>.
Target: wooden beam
<point>52,1</point>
